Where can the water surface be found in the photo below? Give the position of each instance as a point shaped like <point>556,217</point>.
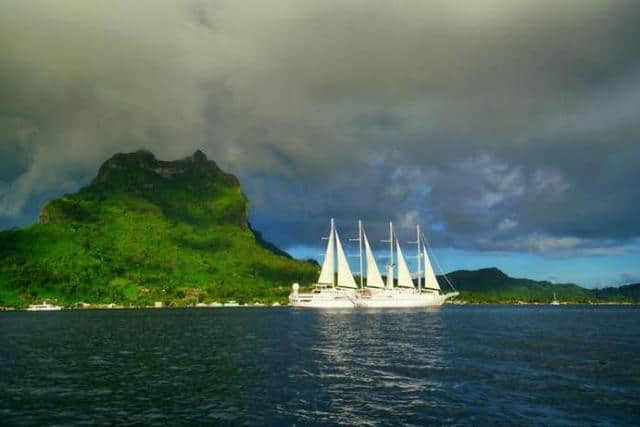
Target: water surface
<point>470,365</point>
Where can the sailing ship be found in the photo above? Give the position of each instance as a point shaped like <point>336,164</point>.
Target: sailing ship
<point>375,293</point>
<point>329,292</point>
<point>555,300</point>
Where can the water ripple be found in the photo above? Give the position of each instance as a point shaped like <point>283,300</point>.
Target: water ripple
<point>455,365</point>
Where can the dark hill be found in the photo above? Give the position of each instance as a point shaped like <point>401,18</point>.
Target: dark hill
<point>493,285</point>
<point>629,293</point>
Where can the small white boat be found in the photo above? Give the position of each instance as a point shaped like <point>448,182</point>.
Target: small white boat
<point>45,306</point>
<point>555,300</point>
<point>231,304</point>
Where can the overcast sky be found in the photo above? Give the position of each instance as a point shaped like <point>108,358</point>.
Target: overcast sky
<point>510,130</point>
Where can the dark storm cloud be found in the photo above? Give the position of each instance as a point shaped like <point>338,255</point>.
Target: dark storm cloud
<point>508,125</point>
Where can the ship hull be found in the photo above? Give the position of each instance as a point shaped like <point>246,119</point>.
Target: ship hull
<point>395,298</point>
<point>402,299</point>
<point>324,298</point>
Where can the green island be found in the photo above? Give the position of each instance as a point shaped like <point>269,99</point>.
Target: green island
<point>492,286</point>
<point>143,231</point>
<point>147,231</point>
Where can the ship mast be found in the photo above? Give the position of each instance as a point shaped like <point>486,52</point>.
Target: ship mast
<point>345,278</point>
<point>360,246</point>
<point>359,240</point>
<point>430,280</point>
<point>327,274</point>
<point>332,236</point>
<point>390,266</point>
<point>419,256</point>
<point>373,274</point>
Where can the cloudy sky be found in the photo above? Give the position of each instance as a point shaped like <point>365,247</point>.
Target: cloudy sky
<point>509,129</point>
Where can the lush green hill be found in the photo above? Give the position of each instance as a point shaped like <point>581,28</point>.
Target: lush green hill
<point>490,285</point>
<point>630,293</point>
<point>147,230</point>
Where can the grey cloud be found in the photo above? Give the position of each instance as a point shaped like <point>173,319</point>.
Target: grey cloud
<point>510,124</point>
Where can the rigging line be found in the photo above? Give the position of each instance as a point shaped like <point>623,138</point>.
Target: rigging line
<point>438,263</point>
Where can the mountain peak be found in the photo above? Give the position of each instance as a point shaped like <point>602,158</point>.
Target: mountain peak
<point>143,160</point>
<point>182,189</point>
<point>199,156</point>
<point>140,158</point>
<point>493,271</point>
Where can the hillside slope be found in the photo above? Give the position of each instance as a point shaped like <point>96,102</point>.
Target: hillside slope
<point>490,285</point>
<point>147,230</point>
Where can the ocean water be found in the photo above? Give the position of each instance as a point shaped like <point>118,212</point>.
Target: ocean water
<point>463,365</point>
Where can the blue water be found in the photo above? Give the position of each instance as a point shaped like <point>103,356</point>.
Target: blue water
<point>480,365</point>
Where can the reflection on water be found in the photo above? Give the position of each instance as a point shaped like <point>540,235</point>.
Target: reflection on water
<point>453,365</point>
<point>372,362</point>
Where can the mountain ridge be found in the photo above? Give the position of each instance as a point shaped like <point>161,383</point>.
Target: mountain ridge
<point>494,286</point>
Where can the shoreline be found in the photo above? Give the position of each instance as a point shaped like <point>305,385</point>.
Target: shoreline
<point>276,305</point>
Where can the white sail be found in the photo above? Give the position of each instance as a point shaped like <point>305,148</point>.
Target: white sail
<point>345,278</point>
<point>404,276</point>
<point>430,278</point>
<point>374,280</point>
<point>419,258</point>
<point>328,266</point>
<point>390,265</point>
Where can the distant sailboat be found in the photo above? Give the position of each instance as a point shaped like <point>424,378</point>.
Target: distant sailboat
<point>555,300</point>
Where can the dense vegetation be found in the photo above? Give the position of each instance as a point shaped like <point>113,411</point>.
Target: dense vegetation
<point>143,231</point>
<point>491,285</point>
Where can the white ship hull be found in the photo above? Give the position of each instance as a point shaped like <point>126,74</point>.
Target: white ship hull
<point>398,298</point>
<point>395,298</point>
<point>323,298</point>
<point>43,307</point>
